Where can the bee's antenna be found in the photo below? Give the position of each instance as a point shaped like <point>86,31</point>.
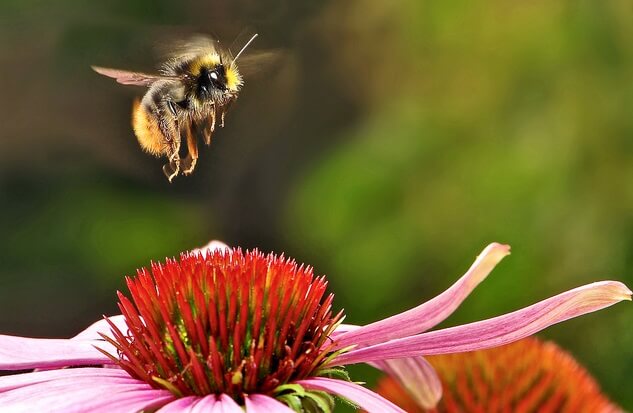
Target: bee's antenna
<point>217,41</point>
<point>244,48</point>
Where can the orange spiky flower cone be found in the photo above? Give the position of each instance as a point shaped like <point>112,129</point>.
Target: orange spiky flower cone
<point>527,376</point>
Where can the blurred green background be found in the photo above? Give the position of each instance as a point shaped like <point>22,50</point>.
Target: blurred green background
<point>389,143</point>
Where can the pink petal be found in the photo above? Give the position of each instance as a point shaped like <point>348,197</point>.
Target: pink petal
<point>366,399</point>
<point>19,353</point>
<point>182,405</point>
<point>432,312</point>
<point>496,331</point>
<point>127,402</point>
<point>258,403</point>
<point>225,404</point>
<point>102,326</point>
<point>204,404</point>
<point>92,373</point>
<point>84,394</point>
<point>210,247</point>
<point>418,377</point>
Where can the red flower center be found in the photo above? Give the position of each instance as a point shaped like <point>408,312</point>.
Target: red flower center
<point>226,322</point>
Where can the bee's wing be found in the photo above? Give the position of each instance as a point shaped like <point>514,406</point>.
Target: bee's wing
<point>261,61</point>
<point>131,78</point>
<point>182,49</point>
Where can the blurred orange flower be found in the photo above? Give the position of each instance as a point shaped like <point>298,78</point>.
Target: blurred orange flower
<point>526,376</point>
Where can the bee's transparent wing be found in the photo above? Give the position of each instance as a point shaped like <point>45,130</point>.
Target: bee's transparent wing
<point>131,78</point>
<point>184,49</point>
<point>259,61</point>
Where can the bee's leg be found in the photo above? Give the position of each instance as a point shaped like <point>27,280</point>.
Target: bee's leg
<point>209,127</point>
<point>225,109</point>
<point>189,163</point>
<point>207,132</point>
<point>172,107</point>
<point>172,168</point>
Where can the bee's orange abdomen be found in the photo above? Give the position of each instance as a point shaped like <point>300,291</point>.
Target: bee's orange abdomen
<point>147,131</point>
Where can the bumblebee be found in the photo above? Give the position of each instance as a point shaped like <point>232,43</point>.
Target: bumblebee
<point>190,95</point>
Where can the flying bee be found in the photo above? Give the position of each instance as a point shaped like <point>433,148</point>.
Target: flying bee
<point>189,96</point>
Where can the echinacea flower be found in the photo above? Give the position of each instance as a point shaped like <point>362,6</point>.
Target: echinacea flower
<point>526,376</point>
<point>221,330</point>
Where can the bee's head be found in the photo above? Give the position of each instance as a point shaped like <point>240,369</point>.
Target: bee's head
<point>214,78</point>
<point>218,79</point>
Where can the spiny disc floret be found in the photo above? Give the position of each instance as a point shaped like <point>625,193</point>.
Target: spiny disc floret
<point>225,322</point>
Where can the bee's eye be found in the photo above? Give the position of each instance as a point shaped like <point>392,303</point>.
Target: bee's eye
<point>215,78</point>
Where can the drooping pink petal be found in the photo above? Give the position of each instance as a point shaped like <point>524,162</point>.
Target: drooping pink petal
<point>258,403</point>
<point>418,372</point>
<point>182,405</point>
<point>92,373</point>
<point>432,312</point>
<point>418,377</point>
<point>84,393</point>
<point>496,331</point>
<point>225,404</point>
<point>102,327</point>
<point>19,353</point>
<point>366,399</point>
